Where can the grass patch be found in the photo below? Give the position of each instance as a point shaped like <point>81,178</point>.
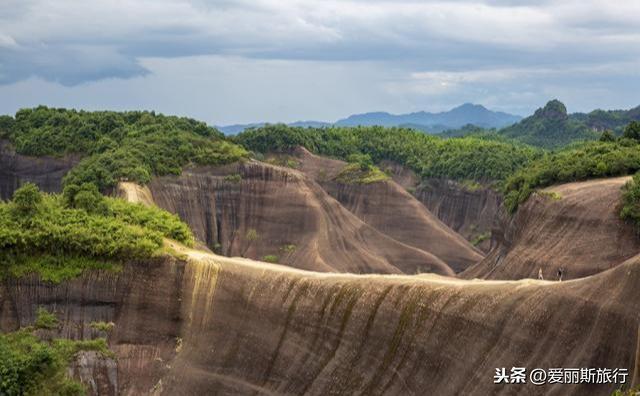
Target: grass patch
<point>270,258</point>
<point>550,195</point>
<point>470,185</point>
<point>354,174</point>
<point>478,239</point>
<point>46,320</point>
<point>102,326</point>
<point>284,160</point>
<point>288,249</point>
<point>234,178</point>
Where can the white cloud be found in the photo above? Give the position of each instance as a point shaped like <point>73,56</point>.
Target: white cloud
<point>409,53</point>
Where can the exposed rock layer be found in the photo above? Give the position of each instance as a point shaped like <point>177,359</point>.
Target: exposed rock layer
<point>573,226</point>
<point>238,327</point>
<point>268,212</point>
<point>468,210</point>
<point>16,169</point>
<point>390,209</point>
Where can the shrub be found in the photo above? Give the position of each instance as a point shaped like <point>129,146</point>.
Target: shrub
<point>234,178</point>
<point>579,162</point>
<point>270,258</point>
<point>27,198</point>
<point>60,242</point>
<point>630,208</point>
<point>45,319</point>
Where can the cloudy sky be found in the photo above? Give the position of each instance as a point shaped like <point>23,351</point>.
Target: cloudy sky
<point>236,61</point>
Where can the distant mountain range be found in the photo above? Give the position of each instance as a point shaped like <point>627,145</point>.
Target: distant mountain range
<point>428,122</point>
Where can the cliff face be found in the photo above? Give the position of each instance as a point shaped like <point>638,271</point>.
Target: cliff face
<point>273,213</point>
<point>468,210</point>
<point>390,209</point>
<point>575,226</point>
<point>241,327</point>
<point>16,169</point>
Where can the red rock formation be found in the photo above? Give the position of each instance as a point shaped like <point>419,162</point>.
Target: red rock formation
<point>264,212</point>
<point>575,226</point>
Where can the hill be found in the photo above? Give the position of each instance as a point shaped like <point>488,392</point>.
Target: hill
<point>455,118</point>
<point>423,121</point>
<point>550,127</point>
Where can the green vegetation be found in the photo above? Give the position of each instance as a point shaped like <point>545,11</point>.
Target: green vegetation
<point>630,209</point>
<point>288,249</point>
<point>102,326</point>
<point>550,127</point>
<point>60,236</point>
<point>234,178</point>
<point>32,366</point>
<point>478,239</point>
<point>354,174</point>
<point>468,158</point>
<point>117,145</point>
<point>284,160</point>
<point>270,258</point>
<point>629,392</point>
<point>578,162</point>
<point>45,320</point>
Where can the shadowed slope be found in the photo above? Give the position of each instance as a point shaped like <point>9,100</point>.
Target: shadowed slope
<point>266,212</point>
<point>575,226</point>
<point>390,209</point>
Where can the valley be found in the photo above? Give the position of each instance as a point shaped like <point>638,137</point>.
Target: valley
<point>332,260</point>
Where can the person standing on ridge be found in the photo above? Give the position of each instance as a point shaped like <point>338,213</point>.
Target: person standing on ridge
<point>540,274</point>
<point>560,273</point>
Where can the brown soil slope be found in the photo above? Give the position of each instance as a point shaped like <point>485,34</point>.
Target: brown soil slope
<point>578,229</point>
<point>390,209</point>
<point>258,210</point>
<point>233,326</point>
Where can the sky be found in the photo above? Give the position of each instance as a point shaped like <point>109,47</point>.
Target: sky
<point>240,61</point>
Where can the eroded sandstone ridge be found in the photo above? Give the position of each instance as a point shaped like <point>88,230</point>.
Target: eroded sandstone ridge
<point>235,326</point>
<point>267,212</point>
<point>574,226</point>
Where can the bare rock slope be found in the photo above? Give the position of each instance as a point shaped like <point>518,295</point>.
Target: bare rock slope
<point>234,326</point>
<point>575,226</point>
<point>468,209</point>
<point>268,212</point>
<point>390,209</point>
<point>16,169</point>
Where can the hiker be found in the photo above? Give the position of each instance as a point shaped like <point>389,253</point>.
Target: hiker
<point>540,274</point>
<point>560,273</point>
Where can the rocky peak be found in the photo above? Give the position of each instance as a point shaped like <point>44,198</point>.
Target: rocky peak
<point>553,110</point>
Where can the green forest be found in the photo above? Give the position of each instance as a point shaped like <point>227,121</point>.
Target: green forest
<point>114,146</point>
<point>60,235</point>
<point>469,158</point>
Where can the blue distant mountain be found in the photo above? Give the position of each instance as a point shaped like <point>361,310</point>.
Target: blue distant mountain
<point>455,118</point>
<point>460,116</point>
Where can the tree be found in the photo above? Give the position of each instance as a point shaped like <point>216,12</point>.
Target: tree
<point>27,198</point>
<point>607,136</point>
<point>632,131</point>
<point>87,197</point>
<point>364,161</point>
